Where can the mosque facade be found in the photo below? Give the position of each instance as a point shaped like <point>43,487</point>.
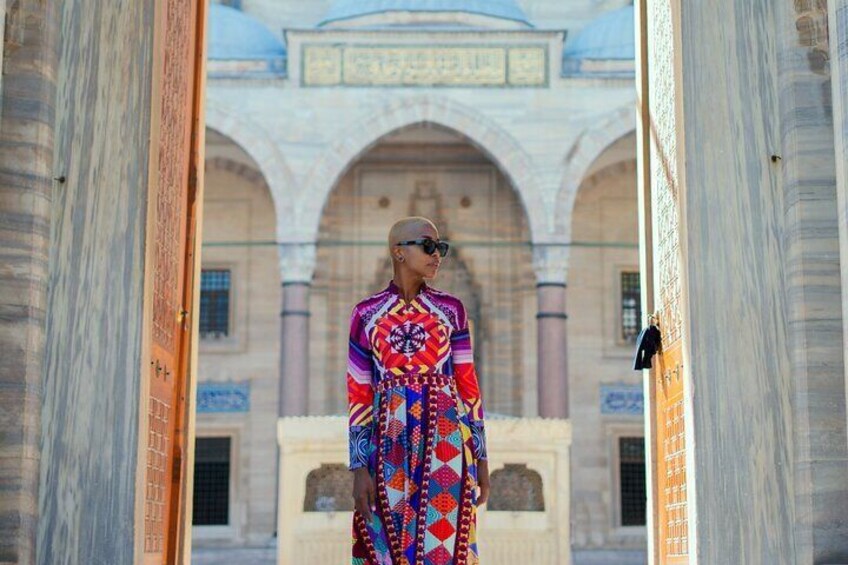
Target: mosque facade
<point>536,137</point>
<point>510,124</point>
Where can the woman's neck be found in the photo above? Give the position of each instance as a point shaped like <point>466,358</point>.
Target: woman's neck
<point>408,286</point>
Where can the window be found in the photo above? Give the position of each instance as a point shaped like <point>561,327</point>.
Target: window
<point>516,488</point>
<point>632,488</point>
<point>215,303</point>
<point>212,481</point>
<point>328,489</point>
<point>631,306</point>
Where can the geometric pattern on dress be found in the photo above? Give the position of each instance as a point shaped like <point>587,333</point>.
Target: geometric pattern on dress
<point>446,482</point>
<point>370,545</point>
<point>426,349</point>
<point>407,338</point>
<point>412,384</point>
<point>402,457</point>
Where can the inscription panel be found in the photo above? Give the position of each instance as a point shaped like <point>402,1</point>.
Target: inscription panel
<point>622,399</point>
<point>223,397</point>
<point>421,65</point>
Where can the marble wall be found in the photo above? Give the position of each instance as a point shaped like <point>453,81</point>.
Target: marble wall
<point>814,285</point>
<point>838,26</point>
<point>732,225</point>
<point>761,277</point>
<point>27,94</point>
<point>94,310</point>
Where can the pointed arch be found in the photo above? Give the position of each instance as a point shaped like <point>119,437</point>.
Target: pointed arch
<point>260,146</point>
<point>588,147</point>
<point>355,140</point>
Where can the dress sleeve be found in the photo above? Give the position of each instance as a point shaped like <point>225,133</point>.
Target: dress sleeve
<point>466,382</point>
<point>360,393</point>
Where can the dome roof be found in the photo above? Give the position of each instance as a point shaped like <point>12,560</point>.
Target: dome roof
<point>235,35</point>
<point>351,9</point>
<point>611,36</point>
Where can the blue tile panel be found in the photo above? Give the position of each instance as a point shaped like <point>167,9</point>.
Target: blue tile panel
<point>223,397</point>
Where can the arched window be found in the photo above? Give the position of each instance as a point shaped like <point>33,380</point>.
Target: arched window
<point>328,489</point>
<point>516,488</point>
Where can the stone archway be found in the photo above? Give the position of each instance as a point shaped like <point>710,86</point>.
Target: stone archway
<point>585,151</point>
<point>432,171</point>
<point>482,132</point>
<point>264,151</point>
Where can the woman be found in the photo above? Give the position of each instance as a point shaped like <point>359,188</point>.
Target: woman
<point>417,442</point>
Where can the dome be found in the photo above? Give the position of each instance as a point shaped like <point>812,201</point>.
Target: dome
<point>611,36</point>
<point>235,35</point>
<point>498,9</point>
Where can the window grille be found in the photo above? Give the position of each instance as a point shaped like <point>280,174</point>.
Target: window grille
<point>631,306</point>
<point>215,303</point>
<point>632,488</point>
<point>212,481</point>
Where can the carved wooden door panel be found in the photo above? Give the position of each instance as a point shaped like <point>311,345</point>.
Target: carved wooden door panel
<point>672,526</point>
<point>169,270</point>
<point>672,518</point>
<point>662,174</point>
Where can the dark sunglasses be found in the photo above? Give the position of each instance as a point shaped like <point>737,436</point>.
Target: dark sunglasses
<point>428,245</point>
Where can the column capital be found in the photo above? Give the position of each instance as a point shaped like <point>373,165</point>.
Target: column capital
<point>297,262</point>
<point>550,262</point>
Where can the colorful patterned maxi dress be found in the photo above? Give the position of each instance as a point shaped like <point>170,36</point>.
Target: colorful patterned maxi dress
<point>416,422</point>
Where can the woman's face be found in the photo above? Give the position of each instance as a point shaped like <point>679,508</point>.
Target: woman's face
<point>414,257</point>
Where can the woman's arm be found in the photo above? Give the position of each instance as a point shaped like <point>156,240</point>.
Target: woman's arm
<point>466,383</point>
<point>469,391</point>
<point>360,393</point>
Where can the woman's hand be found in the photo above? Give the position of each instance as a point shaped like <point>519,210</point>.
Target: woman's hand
<point>483,481</point>
<point>364,492</point>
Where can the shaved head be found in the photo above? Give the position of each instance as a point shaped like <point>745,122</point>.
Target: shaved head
<point>411,262</point>
<point>412,227</point>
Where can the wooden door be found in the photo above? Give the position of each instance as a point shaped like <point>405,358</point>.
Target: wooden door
<point>176,156</point>
<point>661,186</point>
<point>672,518</point>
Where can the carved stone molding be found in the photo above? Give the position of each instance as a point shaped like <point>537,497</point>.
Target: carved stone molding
<point>550,262</point>
<point>297,262</point>
<point>246,172</point>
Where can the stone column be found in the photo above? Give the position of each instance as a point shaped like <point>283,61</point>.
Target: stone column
<point>297,264</point>
<point>550,262</point>
<point>27,96</point>
<point>838,26</point>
